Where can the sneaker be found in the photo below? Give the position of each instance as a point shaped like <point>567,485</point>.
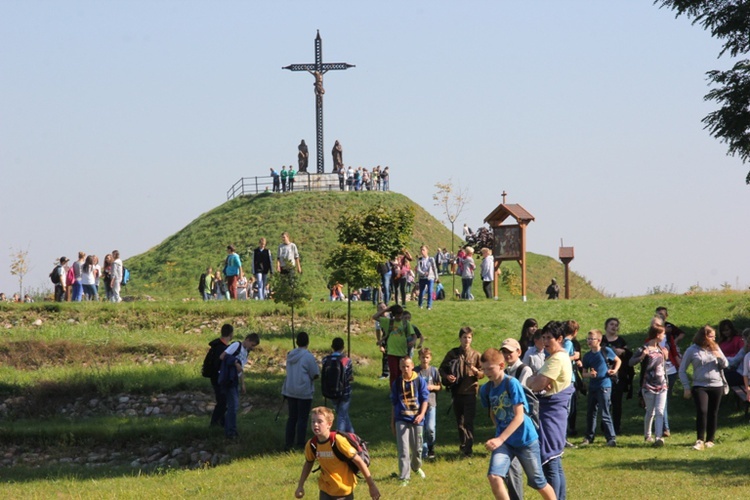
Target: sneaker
<point>585,442</point>
<point>658,443</point>
<point>612,443</point>
<point>666,433</point>
<point>568,444</point>
<point>421,473</point>
<point>698,445</point>
<point>709,444</point>
<point>431,453</point>
<point>649,439</point>
<point>405,482</point>
<point>382,377</point>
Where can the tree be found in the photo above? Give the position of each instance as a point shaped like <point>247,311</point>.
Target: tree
<point>451,201</point>
<point>290,289</point>
<point>365,240</point>
<point>19,266</point>
<point>728,20</point>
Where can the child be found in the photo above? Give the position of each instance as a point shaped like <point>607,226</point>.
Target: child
<point>534,356</point>
<point>432,376</point>
<point>515,435</point>
<point>381,343</point>
<point>409,397</point>
<point>595,368</point>
<point>336,477</point>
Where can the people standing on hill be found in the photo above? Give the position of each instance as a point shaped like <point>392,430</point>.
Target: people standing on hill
<point>298,390</point>
<point>342,177</point>
<point>61,284</point>
<point>284,174</point>
<point>707,360</point>
<point>77,294</point>
<point>350,179</point>
<point>287,257</point>
<point>220,287</point>
<point>488,272</point>
<point>276,180</point>
<point>206,284</point>
<point>398,335</point>
<point>117,273</point>
<point>461,369</point>
<point>467,273</point>
<point>673,360</point>
<point>211,365</point>
<point>428,273</point>
<point>614,341</point>
<point>401,275</point>
<point>88,279</point>
<point>232,271</point>
<point>107,276</point>
<point>553,290</point>
<point>652,358</point>
<point>232,378</point>
<point>290,177</point>
<point>555,378</point>
<point>262,267</point>
<point>376,178</point>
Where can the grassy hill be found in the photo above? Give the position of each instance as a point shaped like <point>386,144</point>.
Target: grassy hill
<point>172,268</point>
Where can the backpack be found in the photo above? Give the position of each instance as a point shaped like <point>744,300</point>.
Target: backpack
<point>125,276</point>
<point>211,363</point>
<point>533,403</point>
<point>71,277</point>
<point>357,443</point>
<point>54,276</point>
<point>202,285</point>
<point>333,380</point>
<point>454,368</point>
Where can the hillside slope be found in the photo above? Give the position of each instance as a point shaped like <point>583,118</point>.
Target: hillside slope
<point>172,268</point>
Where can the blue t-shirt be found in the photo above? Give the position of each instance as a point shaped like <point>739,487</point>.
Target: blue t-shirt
<point>502,400</point>
<point>233,265</point>
<point>571,350</point>
<point>595,360</point>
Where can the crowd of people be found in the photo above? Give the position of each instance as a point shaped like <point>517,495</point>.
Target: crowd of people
<point>80,280</point>
<point>533,383</point>
<point>361,179</point>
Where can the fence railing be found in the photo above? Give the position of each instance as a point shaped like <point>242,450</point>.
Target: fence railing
<point>303,181</point>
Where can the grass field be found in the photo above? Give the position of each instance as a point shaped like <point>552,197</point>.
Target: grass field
<point>95,350</point>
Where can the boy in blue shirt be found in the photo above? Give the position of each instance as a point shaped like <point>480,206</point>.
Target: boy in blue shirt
<point>516,435</point>
<point>596,369</point>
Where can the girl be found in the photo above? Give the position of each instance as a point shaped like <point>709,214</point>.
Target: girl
<point>652,357</point>
<point>618,344</point>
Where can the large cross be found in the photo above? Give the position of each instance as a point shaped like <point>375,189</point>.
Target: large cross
<point>318,69</point>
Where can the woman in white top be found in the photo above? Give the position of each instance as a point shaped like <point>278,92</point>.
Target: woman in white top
<point>88,279</point>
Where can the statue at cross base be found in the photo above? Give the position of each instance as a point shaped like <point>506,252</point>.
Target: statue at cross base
<point>338,156</point>
<point>302,156</point>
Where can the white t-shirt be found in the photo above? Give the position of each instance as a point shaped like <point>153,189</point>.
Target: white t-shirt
<point>88,278</point>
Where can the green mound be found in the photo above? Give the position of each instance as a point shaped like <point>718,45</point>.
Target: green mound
<point>171,269</point>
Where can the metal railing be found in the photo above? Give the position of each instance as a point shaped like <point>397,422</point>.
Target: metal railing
<point>303,182</point>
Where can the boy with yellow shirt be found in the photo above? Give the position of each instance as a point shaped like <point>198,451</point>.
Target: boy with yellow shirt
<point>337,480</point>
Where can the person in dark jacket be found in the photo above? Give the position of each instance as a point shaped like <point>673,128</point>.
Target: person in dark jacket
<point>219,345</point>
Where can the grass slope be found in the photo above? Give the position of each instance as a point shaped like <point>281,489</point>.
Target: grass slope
<point>171,269</point>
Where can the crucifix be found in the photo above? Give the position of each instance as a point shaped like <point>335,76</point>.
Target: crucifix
<point>318,69</point>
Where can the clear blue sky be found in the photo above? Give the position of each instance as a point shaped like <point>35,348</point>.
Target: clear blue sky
<point>122,121</point>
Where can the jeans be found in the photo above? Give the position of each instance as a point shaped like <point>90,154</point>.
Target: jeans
<point>425,283</point>
<point>466,285</point>
<point>671,380</point>
<point>707,401</point>
<point>528,456</point>
<point>262,280</point>
<point>296,424</point>
<point>217,417</point>
<point>655,404</point>
<point>232,395</point>
<point>599,399</point>
<point>386,284</point>
<point>343,422</point>
<point>553,472</point>
<point>90,292</point>
<point>77,292</point>
<point>428,431</point>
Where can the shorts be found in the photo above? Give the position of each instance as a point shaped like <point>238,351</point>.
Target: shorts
<point>529,458</point>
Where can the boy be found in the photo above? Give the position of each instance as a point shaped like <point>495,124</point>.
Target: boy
<point>399,337</point>
<point>432,377</point>
<point>515,436</point>
<point>336,478</point>
<point>534,357</point>
<point>409,397</point>
<point>343,422</point>
<point>234,358</point>
<point>462,369</point>
<point>381,343</point>
<point>595,368</point>
<point>298,389</point>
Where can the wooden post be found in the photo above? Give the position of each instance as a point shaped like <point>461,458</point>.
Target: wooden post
<point>523,261</point>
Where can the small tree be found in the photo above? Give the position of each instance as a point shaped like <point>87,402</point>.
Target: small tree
<point>356,266</point>
<point>451,200</point>
<point>19,266</point>
<point>290,289</point>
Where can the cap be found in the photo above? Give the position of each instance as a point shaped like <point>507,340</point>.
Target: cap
<point>510,345</point>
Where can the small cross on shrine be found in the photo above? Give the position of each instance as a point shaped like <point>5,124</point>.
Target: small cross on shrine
<point>318,69</point>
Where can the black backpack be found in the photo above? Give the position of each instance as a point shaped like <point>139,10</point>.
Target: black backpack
<point>211,362</point>
<point>333,380</point>
<point>357,443</point>
<point>54,276</point>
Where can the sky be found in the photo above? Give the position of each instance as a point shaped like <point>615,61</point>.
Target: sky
<point>123,121</point>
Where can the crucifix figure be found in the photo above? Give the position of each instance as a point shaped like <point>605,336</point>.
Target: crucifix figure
<point>318,69</point>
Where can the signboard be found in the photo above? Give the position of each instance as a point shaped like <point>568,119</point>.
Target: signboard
<point>507,242</point>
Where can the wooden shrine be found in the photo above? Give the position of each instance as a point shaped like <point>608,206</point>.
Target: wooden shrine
<point>566,256</point>
<point>509,239</point>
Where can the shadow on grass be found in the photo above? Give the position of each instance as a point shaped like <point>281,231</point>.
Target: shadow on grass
<point>732,471</point>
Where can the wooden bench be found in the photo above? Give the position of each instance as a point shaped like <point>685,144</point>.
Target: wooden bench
<point>741,397</point>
